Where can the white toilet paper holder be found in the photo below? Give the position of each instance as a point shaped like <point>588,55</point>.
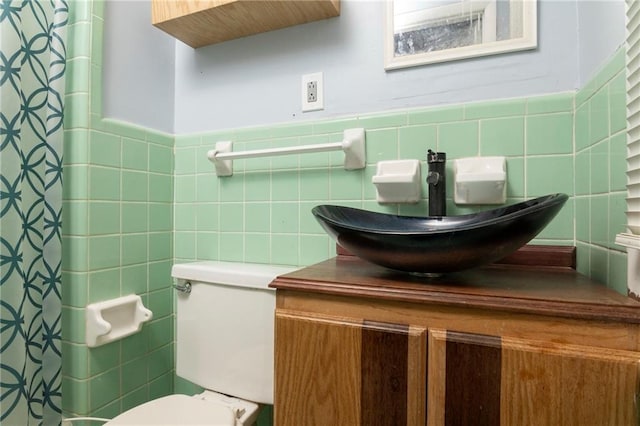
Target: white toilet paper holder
<point>114,319</point>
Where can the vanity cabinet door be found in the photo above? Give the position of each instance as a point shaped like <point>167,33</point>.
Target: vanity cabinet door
<point>348,372</point>
<point>487,380</point>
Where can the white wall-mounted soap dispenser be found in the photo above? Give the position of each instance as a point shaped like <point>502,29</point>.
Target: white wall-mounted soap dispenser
<point>114,319</point>
<point>480,180</point>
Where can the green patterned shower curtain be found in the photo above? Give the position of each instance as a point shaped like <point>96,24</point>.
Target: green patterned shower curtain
<point>32,67</point>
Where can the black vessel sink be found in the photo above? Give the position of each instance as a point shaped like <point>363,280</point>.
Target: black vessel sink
<point>438,244</point>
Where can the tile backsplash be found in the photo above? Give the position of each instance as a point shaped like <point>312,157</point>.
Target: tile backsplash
<point>600,178</point>
<point>567,142</point>
<point>137,200</point>
<point>263,212</point>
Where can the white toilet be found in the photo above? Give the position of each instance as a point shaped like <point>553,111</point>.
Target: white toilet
<point>224,343</point>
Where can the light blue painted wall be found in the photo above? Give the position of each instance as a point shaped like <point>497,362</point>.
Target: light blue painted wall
<point>601,30</point>
<point>139,67</point>
<point>256,80</point>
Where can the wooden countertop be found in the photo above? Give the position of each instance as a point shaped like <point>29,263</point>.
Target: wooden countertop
<point>533,289</point>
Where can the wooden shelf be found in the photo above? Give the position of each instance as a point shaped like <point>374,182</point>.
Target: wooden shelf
<point>203,22</point>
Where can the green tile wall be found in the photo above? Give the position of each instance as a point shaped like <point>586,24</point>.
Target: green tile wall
<point>117,233</point>
<point>600,151</point>
<point>136,200</point>
<point>263,212</point>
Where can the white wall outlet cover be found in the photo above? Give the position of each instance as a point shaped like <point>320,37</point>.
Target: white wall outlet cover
<point>312,91</point>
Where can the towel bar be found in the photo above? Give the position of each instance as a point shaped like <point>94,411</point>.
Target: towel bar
<point>353,145</point>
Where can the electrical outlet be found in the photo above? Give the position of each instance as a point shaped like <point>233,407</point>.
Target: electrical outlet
<point>312,91</point>
<point>312,96</point>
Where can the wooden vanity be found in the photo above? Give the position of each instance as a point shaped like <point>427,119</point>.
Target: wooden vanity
<point>516,343</point>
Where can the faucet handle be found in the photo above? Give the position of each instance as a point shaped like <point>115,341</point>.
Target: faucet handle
<point>433,178</point>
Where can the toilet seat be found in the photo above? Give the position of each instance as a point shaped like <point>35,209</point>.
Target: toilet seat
<point>177,410</point>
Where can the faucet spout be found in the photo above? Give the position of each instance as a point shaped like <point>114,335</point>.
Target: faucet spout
<point>436,180</point>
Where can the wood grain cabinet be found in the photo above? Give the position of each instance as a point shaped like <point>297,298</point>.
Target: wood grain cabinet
<point>359,345</point>
<point>338,372</point>
<point>203,22</point>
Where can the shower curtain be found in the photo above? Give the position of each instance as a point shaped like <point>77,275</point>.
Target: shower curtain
<point>32,67</point>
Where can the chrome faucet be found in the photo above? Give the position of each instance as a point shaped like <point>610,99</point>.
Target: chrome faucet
<point>436,179</point>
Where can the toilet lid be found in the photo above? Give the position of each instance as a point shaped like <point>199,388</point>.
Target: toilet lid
<point>176,410</point>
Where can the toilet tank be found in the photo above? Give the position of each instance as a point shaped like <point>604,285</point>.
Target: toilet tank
<point>224,327</point>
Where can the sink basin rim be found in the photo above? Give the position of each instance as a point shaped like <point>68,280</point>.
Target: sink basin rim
<point>440,244</point>
<point>426,225</point>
